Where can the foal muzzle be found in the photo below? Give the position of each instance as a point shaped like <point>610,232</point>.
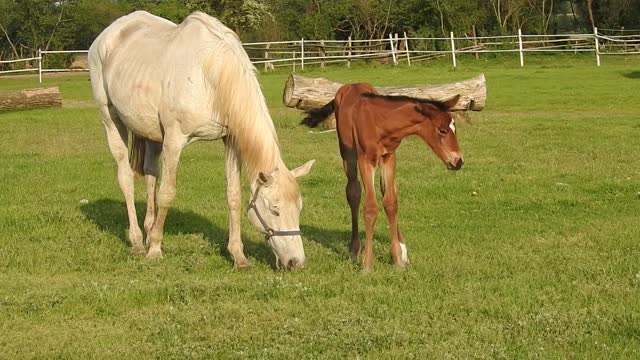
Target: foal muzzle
<point>455,166</point>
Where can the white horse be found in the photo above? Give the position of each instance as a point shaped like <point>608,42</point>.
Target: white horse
<point>160,86</point>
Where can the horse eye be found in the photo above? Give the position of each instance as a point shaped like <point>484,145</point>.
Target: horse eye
<point>442,131</point>
<point>274,211</point>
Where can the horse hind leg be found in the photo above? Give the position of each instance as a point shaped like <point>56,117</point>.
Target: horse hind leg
<point>152,153</point>
<point>117,136</point>
<point>174,142</point>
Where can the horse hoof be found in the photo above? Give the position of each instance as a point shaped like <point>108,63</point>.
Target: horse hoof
<point>242,265</point>
<point>154,255</point>
<point>137,250</point>
<point>367,269</point>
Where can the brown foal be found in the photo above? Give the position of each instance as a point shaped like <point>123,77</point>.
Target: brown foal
<point>370,128</point>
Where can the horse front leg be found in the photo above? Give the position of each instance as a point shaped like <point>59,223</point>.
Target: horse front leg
<point>370,210</point>
<point>390,202</point>
<point>234,200</point>
<point>174,142</point>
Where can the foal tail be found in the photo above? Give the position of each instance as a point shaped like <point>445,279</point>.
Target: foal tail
<point>136,153</point>
<point>316,116</point>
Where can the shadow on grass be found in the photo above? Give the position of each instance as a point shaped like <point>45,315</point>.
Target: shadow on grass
<point>632,74</point>
<point>339,241</point>
<point>332,239</point>
<point>110,215</point>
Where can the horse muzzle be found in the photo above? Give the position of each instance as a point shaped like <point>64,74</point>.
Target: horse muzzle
<point>291,264</point>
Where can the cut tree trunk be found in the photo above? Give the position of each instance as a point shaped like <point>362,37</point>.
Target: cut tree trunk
<point>30,99</point>
<point>312,93</point>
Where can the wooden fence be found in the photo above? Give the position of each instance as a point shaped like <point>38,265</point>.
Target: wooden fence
<point>395,49</point>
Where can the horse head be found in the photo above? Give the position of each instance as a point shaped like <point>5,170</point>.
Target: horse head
<point>440,131</point>
<point>274,210</point>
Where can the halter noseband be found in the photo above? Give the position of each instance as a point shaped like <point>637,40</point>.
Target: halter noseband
<point>269,232</point>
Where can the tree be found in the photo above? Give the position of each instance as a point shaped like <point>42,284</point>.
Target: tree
<point>8,21</point>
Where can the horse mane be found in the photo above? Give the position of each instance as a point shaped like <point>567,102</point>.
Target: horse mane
<point>402,98</point>
<point>238,97</point>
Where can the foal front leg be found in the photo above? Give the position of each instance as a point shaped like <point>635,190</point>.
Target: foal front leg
<point>232,168</point>
<point>390,202</point>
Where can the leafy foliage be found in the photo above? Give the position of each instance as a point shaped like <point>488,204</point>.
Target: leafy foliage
<point>27,25</point>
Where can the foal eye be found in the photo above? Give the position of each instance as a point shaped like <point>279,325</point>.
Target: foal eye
<point>442,131</point>
<point>274,212</point>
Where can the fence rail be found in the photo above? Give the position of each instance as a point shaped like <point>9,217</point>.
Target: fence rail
<point>394,50</point>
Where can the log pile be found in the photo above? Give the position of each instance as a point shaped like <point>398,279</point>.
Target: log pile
<point>30,99</point>
<point>311,93</point>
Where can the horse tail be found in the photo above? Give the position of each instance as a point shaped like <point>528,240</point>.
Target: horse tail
<point>316,116</point>
<point>136,153</point>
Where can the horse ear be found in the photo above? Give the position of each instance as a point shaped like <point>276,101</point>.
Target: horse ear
<point>452,102</point>
<point>265,179</point>
<point>303,170</point>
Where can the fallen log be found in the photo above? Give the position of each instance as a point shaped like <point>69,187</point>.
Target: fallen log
<point>11,100</point>
<point>311,93</point>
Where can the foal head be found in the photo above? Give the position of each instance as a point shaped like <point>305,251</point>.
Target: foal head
<point>274,209</point>
<point>439,131</point>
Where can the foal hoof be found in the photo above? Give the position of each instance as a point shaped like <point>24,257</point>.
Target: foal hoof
<point>404,254</point>
<point>400,266</point>
<point>154,254</point>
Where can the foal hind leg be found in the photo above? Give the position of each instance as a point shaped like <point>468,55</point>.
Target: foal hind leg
<point>367,166</point>
<point>353,193</point>
<point>152,153</point>
<point>117,139</point>
<point>399,254</point>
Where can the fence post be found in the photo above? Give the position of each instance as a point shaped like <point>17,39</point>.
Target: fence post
<point>266,57</point>
<point>40,65</point>
<point>406,48</point>
<point>595,36</point>
<point>393,52</point>
<point>302,54</point>
<point>520,47</point>
<point>322,53</point>
<point>475,41</point>
<point>453,50</point>
<point>349,52</point>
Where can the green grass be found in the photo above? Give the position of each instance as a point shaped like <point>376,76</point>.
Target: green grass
<point>543,262</point>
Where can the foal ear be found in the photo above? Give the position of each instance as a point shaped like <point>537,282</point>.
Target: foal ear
<point>303,170</point>
<point>452,102</point>
<point>265,179</point>
<point>426,109</point>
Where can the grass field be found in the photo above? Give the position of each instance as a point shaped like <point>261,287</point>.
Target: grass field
<point>544,262</point>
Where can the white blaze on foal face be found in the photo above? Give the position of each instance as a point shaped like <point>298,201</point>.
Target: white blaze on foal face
<point>452,125</point>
